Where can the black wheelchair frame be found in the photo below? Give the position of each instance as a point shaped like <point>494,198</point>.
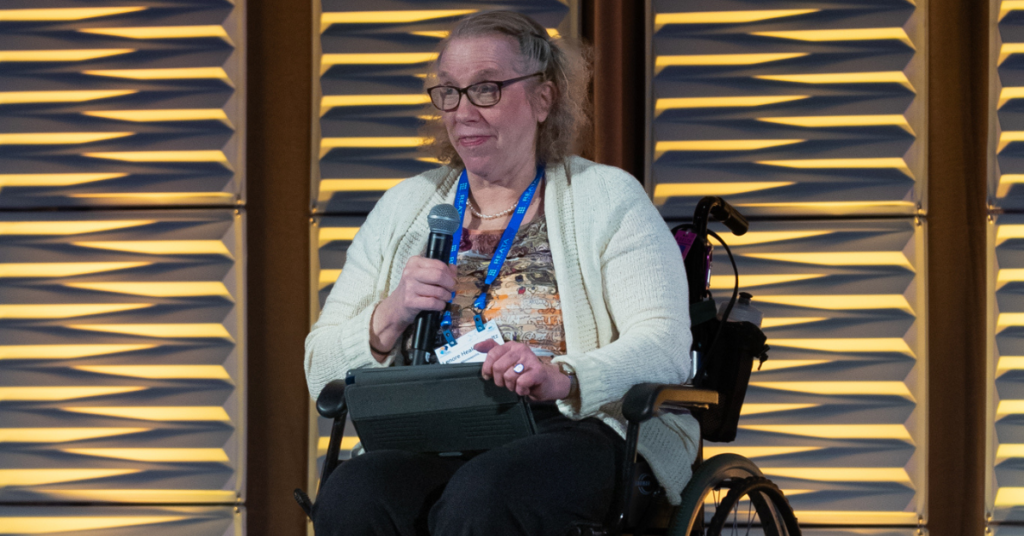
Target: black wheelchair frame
<point>632,511</point>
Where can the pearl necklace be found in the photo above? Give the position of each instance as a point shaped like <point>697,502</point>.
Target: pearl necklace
<point>491,216</point>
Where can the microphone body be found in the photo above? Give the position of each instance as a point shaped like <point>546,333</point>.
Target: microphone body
<point>443,220</point>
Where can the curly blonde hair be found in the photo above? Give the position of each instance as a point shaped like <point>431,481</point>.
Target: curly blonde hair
<point>565,64</point>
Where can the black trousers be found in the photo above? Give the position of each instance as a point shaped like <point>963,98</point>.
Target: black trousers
<point>535,486</point>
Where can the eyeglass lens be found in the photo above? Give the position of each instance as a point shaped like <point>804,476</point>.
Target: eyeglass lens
<point>483,94</point>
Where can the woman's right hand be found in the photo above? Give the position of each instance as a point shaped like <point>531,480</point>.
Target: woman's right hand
<point>426,285</point>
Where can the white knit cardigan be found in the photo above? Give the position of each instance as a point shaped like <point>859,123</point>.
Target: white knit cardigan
<point>620,280</point>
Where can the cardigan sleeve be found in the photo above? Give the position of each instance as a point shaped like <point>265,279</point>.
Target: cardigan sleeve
<point>645,293</point>
<point>340,339</point>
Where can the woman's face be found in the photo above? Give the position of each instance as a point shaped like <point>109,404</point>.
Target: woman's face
<point>497,141</point>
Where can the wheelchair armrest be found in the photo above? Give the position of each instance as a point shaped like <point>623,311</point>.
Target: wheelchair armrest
<point>645,400</point>
<point>331,402</point>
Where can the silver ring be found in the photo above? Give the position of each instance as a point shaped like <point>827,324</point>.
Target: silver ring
<point>518,369</point>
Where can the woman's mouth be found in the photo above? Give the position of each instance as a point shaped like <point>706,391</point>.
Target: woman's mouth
<point>472,141</point>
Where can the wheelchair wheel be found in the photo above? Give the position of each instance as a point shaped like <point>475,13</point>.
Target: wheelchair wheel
<point>737,477</point>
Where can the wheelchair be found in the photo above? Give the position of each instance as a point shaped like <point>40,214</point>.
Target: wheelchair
<point>727,494</point>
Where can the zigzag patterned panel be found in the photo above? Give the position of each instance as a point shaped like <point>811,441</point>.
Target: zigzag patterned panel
<point>1005,490</point>
<point>121,357</point>
<point>372,68</point>
<point>1006,182</point>
<point>115,103</point>
<point>787,107</point>
<point>330,237</point>
<point>121,521</point>
<point>836,416</point>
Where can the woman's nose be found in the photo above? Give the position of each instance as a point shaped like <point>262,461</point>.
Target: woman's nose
<point>466,111</point>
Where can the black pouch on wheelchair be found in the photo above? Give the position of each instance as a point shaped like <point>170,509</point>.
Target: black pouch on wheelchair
<point>727,370</point>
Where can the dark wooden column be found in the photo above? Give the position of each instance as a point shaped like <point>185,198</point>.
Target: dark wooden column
<point>615,29</point>
<point>957,137</point>
<point>280,80</point>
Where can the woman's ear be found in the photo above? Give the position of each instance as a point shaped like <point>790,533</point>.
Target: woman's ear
<point>543,99</point>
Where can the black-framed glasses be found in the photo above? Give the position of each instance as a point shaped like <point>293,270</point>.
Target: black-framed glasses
<point>483,94</point>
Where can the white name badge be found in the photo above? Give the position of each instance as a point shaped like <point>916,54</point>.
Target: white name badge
<point>462,351</point>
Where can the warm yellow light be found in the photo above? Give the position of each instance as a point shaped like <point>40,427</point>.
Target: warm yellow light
<point>842,474</point>
<point>162,32</point>
<point>62,13</point>
<point>164,156</point>
<point>157,455</point>
<point>334,101</point>
<point>720,282</point>
<point>1010,5</point>
<point>438,34</point>
<point>39,394</point>
<point>776,364</point>
<point>879,344</point>
<point>60,55</point>
<point>663,147</point>
<point>1009,320</point>
<point>660,105</point>
<point>843,163</point>
<point>752,238</point>
<point>1009,49</point>
<point>842,302</point>
<point>347,443</point>
<point>755,452</point>
<point>757,409</point>
<point>1006,232</point>
<point>62,435</point>
<point>65,310</point>
<point>1010,450</point>
<point>835,121</point>
<point>384,142</point>
<point>183,73</point>
<point>331,234</point>
<point>328,277</point>
<point>154,116</point>
<point>880,77</point>
<point>726,17</point>
<point>156,413</point>
<point>161,372</point>
<point>150,496</point>
<point>388,17</point>
<point>790,321</point>
<point>170,331</point>
<point>691,60</point>
<point>329,186</point>
<point>843,34</point>
<point>1007,137</point>
<point>834,206</point>
<point>64,228</point>
<point>165,197</point>
<point>1009,93</point>
<point>850,258</point>
<point>878,388</point>
<point>59,138</point>
<point>836,431</point>
<point>1006,182</point>
<point>859,517</point>
<point>63,269</point>
<point>1009,407</point>
<point>161,289</point>
<point>1009,496</point>
<point>66,351</point>
<point>375,58</point>
<point>54,524</point>
<point>162,247</point>
<point>35,97</point>
<point>699,189</point>
<point>42,477</point>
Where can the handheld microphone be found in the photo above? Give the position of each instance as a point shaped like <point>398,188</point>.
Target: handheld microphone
<point>443,221</point>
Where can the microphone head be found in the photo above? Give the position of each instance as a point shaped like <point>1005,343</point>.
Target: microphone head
<point>443,219</point>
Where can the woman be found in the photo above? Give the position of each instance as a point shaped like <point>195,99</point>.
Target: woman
<point>591,299</point>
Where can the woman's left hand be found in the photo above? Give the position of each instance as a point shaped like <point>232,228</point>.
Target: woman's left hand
<point>537,379</point>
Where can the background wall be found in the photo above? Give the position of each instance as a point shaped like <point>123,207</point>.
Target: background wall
<point>179,181</point>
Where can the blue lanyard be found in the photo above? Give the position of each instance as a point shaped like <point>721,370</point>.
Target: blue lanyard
<point>500,254</point>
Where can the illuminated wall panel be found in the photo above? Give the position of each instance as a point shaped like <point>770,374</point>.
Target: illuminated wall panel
<point>1006,180</point>
<point>121,357</point>
<point>122,521</point>
<point>837,415</point>
<point>788,108</point>
<point>108,103</point>
<point>372,66</point>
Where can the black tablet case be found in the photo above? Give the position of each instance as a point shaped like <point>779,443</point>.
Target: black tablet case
<point>434,409</point>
